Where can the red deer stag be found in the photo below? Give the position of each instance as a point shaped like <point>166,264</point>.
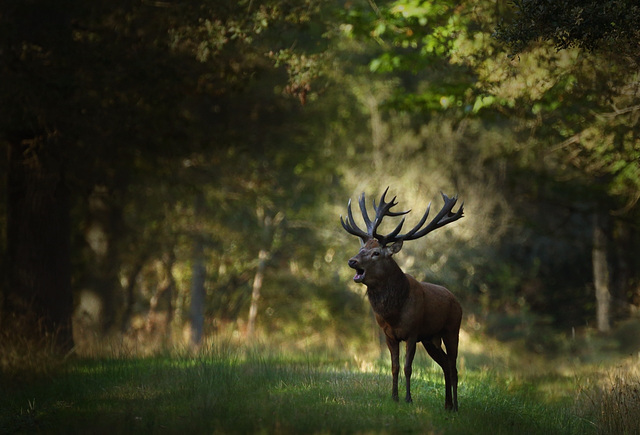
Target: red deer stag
<point>405,309</point>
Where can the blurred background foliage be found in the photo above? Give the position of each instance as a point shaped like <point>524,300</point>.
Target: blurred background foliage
<point>186,166</point>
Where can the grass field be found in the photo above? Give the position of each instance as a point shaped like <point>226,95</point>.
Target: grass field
<point>227,390</point>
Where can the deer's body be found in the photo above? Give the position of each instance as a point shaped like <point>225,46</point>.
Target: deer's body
<point>405,309</point>
<point>428,313</point>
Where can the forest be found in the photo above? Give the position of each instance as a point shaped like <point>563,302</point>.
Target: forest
<point>175,172</point>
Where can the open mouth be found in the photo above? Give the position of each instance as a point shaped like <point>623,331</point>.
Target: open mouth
<point>359,277</point>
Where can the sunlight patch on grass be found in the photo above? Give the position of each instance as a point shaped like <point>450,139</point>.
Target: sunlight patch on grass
<point>365,366</point>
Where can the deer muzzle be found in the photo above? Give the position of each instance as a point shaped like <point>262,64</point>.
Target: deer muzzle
<point>355,264</point>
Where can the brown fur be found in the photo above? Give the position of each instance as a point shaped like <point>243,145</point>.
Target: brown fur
<point>413,312</point>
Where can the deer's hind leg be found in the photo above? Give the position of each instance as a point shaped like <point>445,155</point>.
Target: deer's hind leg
<point>451,343</point>
<point>434,349</point>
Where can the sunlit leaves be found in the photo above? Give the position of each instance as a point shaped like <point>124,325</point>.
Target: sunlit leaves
<point>385,63</point>
<point>302,69</point>
<point>413,26</point>
<point>483,101</point>
<point>433,41</point>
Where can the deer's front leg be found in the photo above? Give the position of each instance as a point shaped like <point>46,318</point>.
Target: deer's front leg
<point>394,349</point>
<point>408,361</point>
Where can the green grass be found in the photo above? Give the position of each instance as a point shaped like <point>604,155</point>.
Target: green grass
<point>227,391</point>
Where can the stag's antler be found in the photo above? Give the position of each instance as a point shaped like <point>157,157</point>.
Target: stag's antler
<point>445,216</point>
<point>382,210</point>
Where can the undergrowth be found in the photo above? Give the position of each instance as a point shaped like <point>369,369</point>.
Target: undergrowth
<point>612,399</point>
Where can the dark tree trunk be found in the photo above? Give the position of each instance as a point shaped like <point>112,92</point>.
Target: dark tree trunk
<point>601,275</point>
<point>38,239</point>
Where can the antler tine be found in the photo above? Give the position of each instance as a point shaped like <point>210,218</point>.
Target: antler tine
<point>384,209</point>
<point>419,225</point>
<point>444,217</point>
<point>386,206</point>
<point>365,215</point>
<point>351,227</point>
<point>392,236</point>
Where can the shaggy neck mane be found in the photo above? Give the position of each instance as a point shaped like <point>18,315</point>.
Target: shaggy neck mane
<point>387,297</point>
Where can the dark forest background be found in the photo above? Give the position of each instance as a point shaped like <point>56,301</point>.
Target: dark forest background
<point>174,170</point>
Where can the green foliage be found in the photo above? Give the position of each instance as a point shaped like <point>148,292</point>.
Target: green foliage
<point>538,129</point>
<point>587,24</point>
<point>160,105</point>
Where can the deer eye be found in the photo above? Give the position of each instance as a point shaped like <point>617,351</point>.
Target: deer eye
<point>375,253</point>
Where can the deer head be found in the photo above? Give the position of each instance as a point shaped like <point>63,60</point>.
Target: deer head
<point>377,249</point>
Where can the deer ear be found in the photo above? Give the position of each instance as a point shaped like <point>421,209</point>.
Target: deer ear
<point>395,248</point>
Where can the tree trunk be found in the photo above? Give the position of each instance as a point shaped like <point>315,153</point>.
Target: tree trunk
<point>100,284</point>
<point>255,292</point>
<point>601,273</point>
<point>162,300</point>
<point>38,240</point>
<point>198,276</point>
<point>169,294</point>
<point>129,293</point>
<point>196,312</point>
